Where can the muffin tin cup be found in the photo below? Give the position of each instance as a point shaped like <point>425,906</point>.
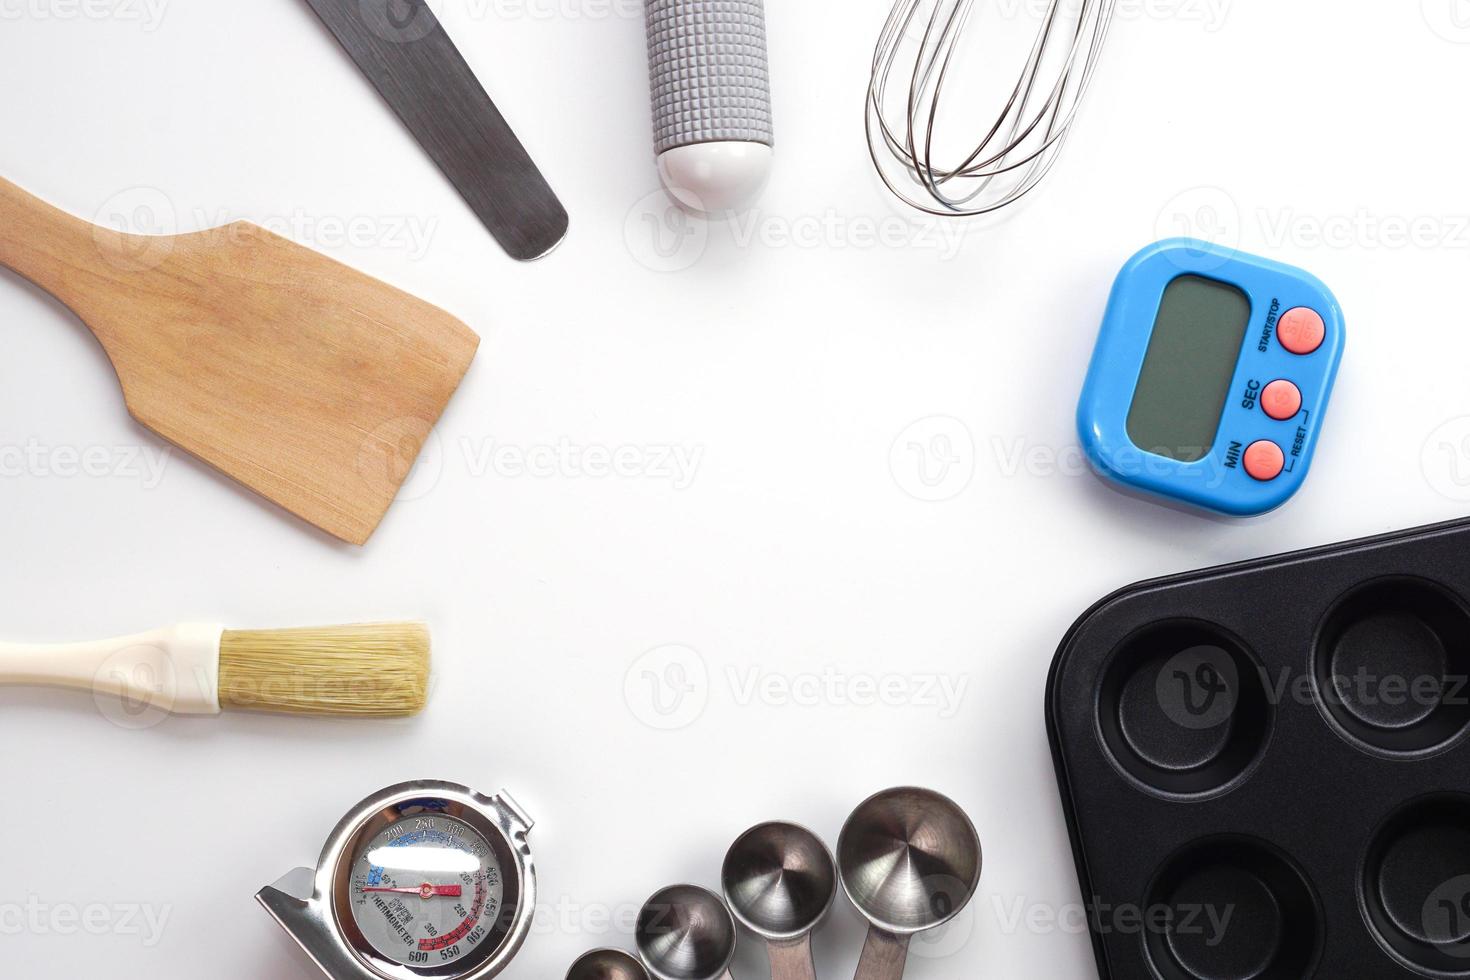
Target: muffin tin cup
<point>1391,664</point>
<point>1234,909</point>
<point>1415,885</point>
<point>1183,709</point>
<point>1285,742</point>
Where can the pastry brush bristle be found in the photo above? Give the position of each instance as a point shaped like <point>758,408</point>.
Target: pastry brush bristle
<point>370,670</point>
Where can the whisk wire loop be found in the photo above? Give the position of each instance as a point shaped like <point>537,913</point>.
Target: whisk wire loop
<point>1021,145</point>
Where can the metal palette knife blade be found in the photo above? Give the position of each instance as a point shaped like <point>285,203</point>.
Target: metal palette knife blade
<point>403,49</point>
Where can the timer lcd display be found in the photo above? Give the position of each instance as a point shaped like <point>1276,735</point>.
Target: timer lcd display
<point>1191,359</point>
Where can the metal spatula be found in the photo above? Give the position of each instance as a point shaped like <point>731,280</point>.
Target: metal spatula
<point>403,49</point>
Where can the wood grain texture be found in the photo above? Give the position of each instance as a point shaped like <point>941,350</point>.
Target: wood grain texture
<point>884,956</point>
<point>307,381</point>
<point>792,961</point>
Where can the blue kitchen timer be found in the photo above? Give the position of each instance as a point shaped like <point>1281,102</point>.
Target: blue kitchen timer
<point>1210,377</point>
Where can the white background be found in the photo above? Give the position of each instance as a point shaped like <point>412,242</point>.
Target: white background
<point>789,357</point>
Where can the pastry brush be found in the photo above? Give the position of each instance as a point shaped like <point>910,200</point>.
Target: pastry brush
<point>369,670</point>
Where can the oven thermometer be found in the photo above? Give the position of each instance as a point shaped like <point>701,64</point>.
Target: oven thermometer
<point>425,879</point>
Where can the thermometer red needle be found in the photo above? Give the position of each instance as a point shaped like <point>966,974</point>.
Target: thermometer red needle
<point>423,891</point>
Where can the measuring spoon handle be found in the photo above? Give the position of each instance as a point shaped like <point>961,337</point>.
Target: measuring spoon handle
<point>792,961</point>
<point>884,956</point>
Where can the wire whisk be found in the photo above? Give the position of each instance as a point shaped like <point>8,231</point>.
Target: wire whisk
<point>1020,147</point>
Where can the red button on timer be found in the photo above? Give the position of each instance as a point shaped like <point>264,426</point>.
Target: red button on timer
<point>1301,330</point>
<point>1281,400</point>
<point>1264,460</point>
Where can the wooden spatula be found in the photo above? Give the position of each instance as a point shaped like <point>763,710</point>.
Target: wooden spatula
<point>309,382</point>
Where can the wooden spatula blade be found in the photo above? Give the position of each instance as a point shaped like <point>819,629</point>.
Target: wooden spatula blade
<point>309,382</point>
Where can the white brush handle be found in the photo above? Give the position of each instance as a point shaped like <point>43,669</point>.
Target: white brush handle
<point>176,669</point>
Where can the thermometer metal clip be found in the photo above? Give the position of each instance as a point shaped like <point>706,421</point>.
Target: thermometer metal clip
<point>371,910</point>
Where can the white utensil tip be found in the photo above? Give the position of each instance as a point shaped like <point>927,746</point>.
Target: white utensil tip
<point>716,178</point>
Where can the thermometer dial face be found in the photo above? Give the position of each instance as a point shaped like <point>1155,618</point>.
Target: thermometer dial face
<point>426,891</point>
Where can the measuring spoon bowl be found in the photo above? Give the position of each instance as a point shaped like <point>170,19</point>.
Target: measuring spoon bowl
<point>607,964</point>
<point>909,860</point>
<point>780,881</point>
<point>685,932</point>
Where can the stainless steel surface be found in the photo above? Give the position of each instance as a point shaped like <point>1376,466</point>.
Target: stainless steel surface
<point>686,933</point>
<point>1017,149</point>
<point>310,905</point>
<point>607,964</point>
<point>780,881</point>
<point>404,50</point>
<point>909,860</point>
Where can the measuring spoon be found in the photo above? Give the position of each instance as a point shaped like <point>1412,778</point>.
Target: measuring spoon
<point>780,881</point>
<point>607,964</point>
<point>686,933</point>
<point>909,860</point>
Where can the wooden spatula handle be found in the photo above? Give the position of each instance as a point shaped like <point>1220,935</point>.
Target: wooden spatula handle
<point>66,256</point>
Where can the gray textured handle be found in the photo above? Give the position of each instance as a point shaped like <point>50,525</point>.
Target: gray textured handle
<point>707,64</point>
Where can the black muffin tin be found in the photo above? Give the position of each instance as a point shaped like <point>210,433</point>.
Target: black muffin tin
<point>1265,766</point>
